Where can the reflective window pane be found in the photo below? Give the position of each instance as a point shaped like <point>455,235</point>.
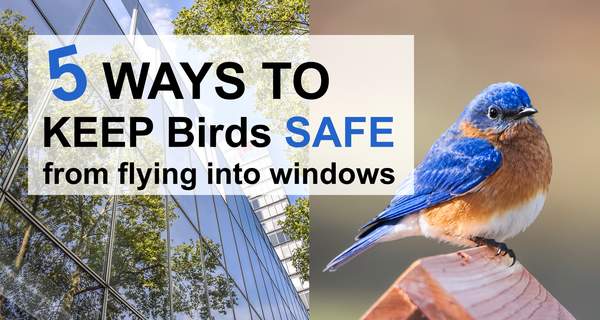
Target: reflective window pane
<point>223,295</point>
<point>121,14</point>
<point>187,205</point>
<point>31,16</point>
<point>209,226</point>
<point>118,311</point>
<point>275,299</point>
<point>260,242</point>
<point>144,27</point>
<point>139,261</point>
<point>232,262</point>
<point>100,21</point>
<point>241,308</point>
<point>81,222</point>
<point>245,219</point>
<point>37,279</point>
<point>64,15</point>
<point>260,276</point>
<point>246,264</point>
<point>130,5</point>
<point>189,296</point>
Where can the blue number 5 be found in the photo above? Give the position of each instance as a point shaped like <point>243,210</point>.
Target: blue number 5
<point>56,70</point>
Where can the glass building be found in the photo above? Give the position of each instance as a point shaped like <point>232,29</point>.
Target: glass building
<point>269,200</point>
<point>270,208</point>
<point>119,257</point>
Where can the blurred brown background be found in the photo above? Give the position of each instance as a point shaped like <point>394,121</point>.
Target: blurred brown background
<point>553,49</point>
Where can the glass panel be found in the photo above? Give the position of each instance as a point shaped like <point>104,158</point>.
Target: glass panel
<point>251,234</point>
<point>296,303</point>
<point>37,280</point>
<point>121,13</point>
<point>262,288</point>
<point>231,204</point>
<point>288,314</point>
<point>80,222</point>
<point>118,311</point>
<point>288,295</point>
<point>278,284</point>
<point>222,292</point>
<point>246,264</point>
<point>232,263</point>
<point>271,265</point>
<point>64,15</point>
<point>245,223</point>
<point>255,315</point>
<point>190,300</point>
<point>100,21</point>
<point>188,205</point>
<point>276,301</point>
<point>144,27</point>
<point>130,5</point>
<point>30,14</point>
<point>259,241</point>
<point>241,308</point>
<point>90,103</point>
<point>209,226</point>
<point>139,263</point>
<point>249,211</point>
<point>18,19</point>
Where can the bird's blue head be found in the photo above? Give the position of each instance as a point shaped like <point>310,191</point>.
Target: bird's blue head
<point>498,107</point>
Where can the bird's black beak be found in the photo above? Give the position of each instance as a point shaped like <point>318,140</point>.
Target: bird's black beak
<point>526,111</point>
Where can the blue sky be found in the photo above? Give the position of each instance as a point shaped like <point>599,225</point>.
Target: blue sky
<point>161,13</point>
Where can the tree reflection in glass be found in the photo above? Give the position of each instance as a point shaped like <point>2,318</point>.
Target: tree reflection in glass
<point>194,286</point>
<point>37,279</point>
<point>140,269</point>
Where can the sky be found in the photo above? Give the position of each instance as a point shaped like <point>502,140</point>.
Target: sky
<point>162,13</point>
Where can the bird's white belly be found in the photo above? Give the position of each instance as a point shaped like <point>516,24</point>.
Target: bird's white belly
<point>508,224</point>
<point>501,226</point>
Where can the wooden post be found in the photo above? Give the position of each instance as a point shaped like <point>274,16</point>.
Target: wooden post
<point>469,284</point>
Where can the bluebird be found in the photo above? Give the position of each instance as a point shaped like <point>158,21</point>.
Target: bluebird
<point>483,181</point>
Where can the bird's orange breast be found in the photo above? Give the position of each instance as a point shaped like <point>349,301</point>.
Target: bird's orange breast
<point>525,173</point>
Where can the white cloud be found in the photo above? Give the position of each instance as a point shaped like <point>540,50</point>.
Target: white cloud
<point>160,15</point>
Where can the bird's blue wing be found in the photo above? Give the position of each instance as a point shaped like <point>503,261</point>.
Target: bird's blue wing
<point>454,166</point>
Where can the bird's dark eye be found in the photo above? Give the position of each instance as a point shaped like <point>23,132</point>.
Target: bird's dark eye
<point>493,113</point>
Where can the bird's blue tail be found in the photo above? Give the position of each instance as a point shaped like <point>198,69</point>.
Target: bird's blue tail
<point>358,247</point>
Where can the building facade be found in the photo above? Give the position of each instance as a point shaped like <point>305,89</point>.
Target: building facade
<point>269,201</point>
<point>120,257</point>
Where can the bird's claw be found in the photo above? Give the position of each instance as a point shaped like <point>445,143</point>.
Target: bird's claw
<point>504,250</point>
<point>501,248</point>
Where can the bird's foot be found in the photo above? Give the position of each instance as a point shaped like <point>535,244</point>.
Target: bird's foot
<point>501,247</point>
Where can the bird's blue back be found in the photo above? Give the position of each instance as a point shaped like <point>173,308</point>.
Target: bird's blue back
<point>453,166</point>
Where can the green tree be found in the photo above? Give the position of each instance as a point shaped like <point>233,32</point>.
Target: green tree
<point>297,226</point>
<point>256,17</point>
<point>13,83</point>
<point>244,17</point>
